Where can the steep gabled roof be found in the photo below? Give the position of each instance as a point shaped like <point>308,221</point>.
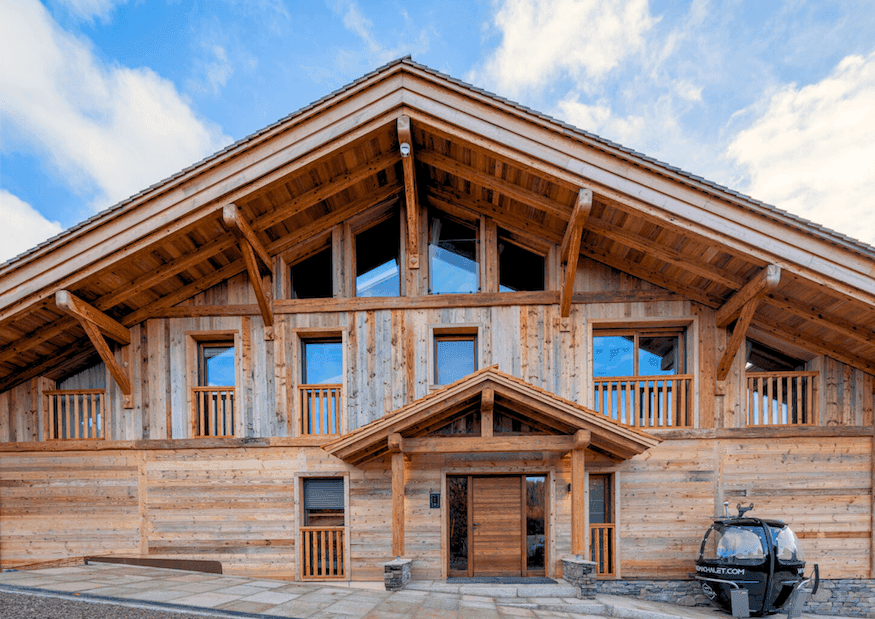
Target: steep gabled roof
<point>475,151</point>
<point>452,401</point>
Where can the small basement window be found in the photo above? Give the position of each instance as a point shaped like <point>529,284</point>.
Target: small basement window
<point>518,268</point>
<point>455,356</point>
<point>378,259</point>
<point>311,278</point>
<point>452,256</point>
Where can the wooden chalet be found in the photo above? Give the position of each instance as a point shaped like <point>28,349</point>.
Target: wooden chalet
<point>417,320</point>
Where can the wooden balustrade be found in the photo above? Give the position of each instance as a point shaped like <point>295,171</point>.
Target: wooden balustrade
<point>782,398</point>
<point>646,401</point>
<point>322,553</point>
<point>320,409</point>
<point>601,540</point>
<point>214,411</point>
<point>75,414</point>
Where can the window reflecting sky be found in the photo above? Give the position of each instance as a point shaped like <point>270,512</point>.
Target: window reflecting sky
<point>455,360</point>
<point>324,363</point>
<point>219,363</point>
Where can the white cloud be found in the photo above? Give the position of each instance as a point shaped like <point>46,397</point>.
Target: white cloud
<point>110,128</point>
<point>599,119</point>
<point>23,226</point>
<point>811,150</point>
<point>216,70</point>
<point>87,10</point>
<point>547,39</point>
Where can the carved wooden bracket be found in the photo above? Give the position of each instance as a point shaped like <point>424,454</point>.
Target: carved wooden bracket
<point>96,325</point>
<point>256,258</point>
<point>405,144</point>
<point>571,248</point>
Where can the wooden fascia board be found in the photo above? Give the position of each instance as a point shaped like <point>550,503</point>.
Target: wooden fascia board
<point>570,249</point>
<point>70,304</point>
<point>411,200</point>
<point>493,444</point>
<point>675,203</point>
<point>764,281</point>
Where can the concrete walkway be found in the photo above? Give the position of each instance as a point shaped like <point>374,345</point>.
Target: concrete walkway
<point>234,596</point>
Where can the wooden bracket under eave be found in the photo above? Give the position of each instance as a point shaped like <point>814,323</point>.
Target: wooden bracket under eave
<point>405,145</point>
<point>96,324</point>
<point>570,250</point>
<point>257,262</point>
<point>744,303</point>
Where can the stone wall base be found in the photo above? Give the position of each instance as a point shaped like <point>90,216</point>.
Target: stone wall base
<point>848,597</point>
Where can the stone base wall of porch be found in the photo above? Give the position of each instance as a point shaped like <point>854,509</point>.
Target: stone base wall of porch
<point>846,596</point>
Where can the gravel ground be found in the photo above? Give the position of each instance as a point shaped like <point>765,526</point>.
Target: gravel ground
<point>25,606</point>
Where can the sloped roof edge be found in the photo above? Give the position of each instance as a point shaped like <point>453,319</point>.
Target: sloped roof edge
<point>569,130</point>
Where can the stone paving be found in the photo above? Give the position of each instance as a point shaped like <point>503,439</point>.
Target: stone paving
<point>229,595</point>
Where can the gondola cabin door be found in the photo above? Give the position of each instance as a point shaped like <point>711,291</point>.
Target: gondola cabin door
<point>496,525</point>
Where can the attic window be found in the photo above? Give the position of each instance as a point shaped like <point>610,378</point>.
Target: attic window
<point>518,268</point>
<point>311,278</point>
<point>452,256</point>
<point>377,256</point>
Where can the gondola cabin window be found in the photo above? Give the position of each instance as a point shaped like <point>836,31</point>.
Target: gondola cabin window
<point>214,395</point>
<point>780,391</point>
<point>311,277</point>
<point>640,377</point>
<point>321,385</point>
<point>453,255</point>
<point>323,534</point>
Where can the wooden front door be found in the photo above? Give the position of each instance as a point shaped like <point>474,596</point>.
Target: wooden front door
<point>497,526</point>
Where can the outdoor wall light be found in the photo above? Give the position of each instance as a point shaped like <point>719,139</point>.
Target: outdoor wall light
<point>405,149</point>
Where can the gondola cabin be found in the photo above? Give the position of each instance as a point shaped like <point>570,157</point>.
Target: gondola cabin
<point>417,322</point>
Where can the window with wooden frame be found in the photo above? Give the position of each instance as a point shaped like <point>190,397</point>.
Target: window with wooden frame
<point>321,385</point>
<point>323,533</point>
<point>520,267</point>
<point>455,356</point>
<point>312,276</point>
<point>639,376</point>
<point>453,255</point>
<point>378,258</point>
<point>214,397</point>
<point>601,523</point>
<point>780,391</point>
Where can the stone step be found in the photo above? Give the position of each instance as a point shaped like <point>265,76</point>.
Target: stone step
<point>559,590</point>
<point>568,605</point>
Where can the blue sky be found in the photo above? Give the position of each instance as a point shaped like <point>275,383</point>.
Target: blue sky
<point>102,98</point>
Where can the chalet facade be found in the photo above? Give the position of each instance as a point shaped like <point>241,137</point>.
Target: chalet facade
<point>414,319</point>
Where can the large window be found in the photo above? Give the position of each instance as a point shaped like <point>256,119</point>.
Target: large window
<point>311,278</point>
<point>519,268</point>
<point>452,256</point>
<point>321,383</point>
<point>455,356</point>
<point>639,377</point>
<point>378,259</point>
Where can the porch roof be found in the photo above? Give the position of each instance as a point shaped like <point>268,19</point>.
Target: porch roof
<point>553,414</point>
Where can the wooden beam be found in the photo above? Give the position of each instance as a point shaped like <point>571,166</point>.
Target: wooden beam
<point>398,504</point>
<point>83,312</point>
<point>578,500</point>
<point>487,404</point>
<point>571,248</point>
<point>118,373</point>
<point>405,144</point>
<point>562,443</point>
<point>515,192</point>
<point>257,284</point>
<point>396,443</point>
<point>239,227</point>
<point>738,336</point>
<point>582,439</point>
<point>765,280</point>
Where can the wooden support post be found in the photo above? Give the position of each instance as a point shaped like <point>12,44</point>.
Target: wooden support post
<point>744,303</point>
<point>571,248</point>
<point>487,403</point>
<point>765,280</point>
<point>257,285</point>
<point>578,492</point>
<point>257,261</point>
<point>397,496</point>
<point>405,144</point>
<point>95,324</point>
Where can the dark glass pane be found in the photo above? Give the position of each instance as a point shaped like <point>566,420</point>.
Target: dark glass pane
<point>761,358</point>
<point>454,359</point>
<point>613,355</point>
<point>658,355</point>
<point>452,254</point>
<point>518,268</point>
<point>535,527</point>
<point>218,366</point>
<point>311,278</point>
<point>599,510</point>
<point>323,362</point>
<point>457,489</point>
<point>377,260</point>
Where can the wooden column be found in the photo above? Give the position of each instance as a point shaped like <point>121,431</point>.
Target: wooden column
<point>395,446</point>
<point>578,492</point>
<point>487,403</point>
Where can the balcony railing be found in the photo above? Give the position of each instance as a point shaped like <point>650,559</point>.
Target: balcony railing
<point>782,398</point>
<point>322,553</point>
<point>320,409</point>
<point>601,538</point>
<point>75,414</point>
<point>214,411</point>
<point>646,401</point>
